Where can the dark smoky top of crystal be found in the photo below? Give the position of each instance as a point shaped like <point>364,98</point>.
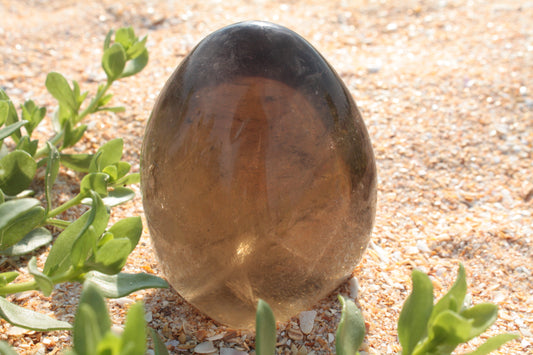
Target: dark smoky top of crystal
<point>263,49</point>
<point>257,49</point>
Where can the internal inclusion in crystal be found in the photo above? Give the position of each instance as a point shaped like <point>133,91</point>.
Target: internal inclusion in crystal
<point>256,187</point>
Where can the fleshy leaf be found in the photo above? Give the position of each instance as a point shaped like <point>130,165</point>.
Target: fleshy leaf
<point>4,110</point>
<point>113,61</point>
<point>46,285</point>
<point>482,315</point>
<point>17,170</point>
<point>413,320</point>
<point>448,330</point>
<point>59,258</point>
<point>25,318</point>
<point>108,154</point>
<point>77,162</point>
<point>351,329</point>
<point>122,284</point>
<point>96,182</point>
<point>58,86</point>
<point>111,257</point>
<point>72,136</point>
<point>265,330</point>
<point>134,66</point>
<point>18,218</point>
<point>33,240</point>
<point>33,114</point>
<point>5,349</point>
<point>159,347</point>
<point>11,117</point>
<point>134,335</point>
<point>493,343</point>
<point>454,298</point>
<point>92,321</point>
<point>10,129</point>
<point>52,169</point>
<point>85,243</point>
<point>130,228</point>
<point>28,145</point>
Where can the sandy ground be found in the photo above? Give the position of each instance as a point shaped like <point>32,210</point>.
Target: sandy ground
<point>446,91</point>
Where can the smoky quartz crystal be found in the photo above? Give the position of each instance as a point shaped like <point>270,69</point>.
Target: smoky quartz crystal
<point>258,176</point>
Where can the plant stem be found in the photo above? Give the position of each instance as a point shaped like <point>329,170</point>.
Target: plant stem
<point>18,287</point>
<point>94,102</point>
<point>60,209</point>
<point>71,275</point>
<point>57,223</point>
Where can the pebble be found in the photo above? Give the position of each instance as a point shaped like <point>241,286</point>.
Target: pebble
<point>307,320</point>
<point>205,348</point>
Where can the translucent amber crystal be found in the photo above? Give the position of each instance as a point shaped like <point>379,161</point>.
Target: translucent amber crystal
<point>258,175</point>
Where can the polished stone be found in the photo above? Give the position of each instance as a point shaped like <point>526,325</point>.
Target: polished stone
<point>258,175</point>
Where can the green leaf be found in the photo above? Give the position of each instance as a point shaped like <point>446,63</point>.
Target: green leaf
<point>4,111</point>
<point>85,243</point>
<point>61,116</point>
<point>111,257</point>
<point>96,182</point>
<point>413,320</point>
<point>159,347</point>
<point>454,298</point>
<point>28,145</point>
<point>108,154</point>
<point>113,61</point>
<point>17,170</point>
<point>7,277</point>
<point>122,284</point>
<point>109,344</point>
<point>92,297</point>
<point>5,349</point>
<point>125,36</point>
<point>33,240</point>
<point>92,321</point>
<point>265,329</point>
<point>58,86</point>
<point>33,114</point>
<point>107,40</point>
<point>134,335</point>
<point>111,170</point>
<point>105,99</point>
<point>448,331</point>
<point>134,66</point>
<point>52,169</point>
<point>482,315</point>
<point>114,109</point>
<point>493,343</point>
<point>77,162</point>
<point>18,218</point>
<point>45,284</point>
<point>79,97</point>
<point>351,329</point>
<point>11,129</point>
<point>25,318</point>
<point>136,49</point>
<point>11,117</point>
<point>59,258</point>
<point>72,136</point>
<point>130,179</point>
<point>130,228</point>
<point>86,332</point>
<point>83,247</point>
